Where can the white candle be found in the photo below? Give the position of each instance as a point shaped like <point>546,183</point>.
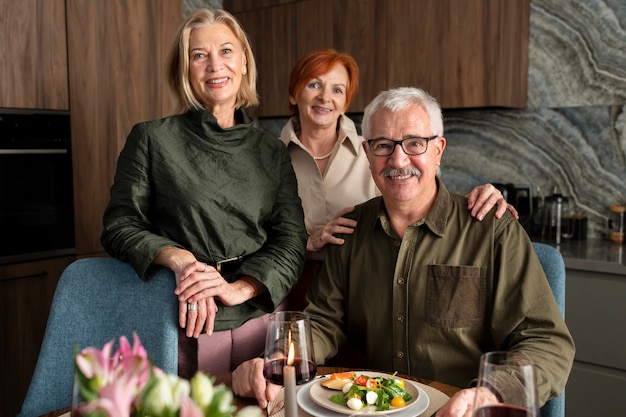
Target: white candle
<point>289,382</point>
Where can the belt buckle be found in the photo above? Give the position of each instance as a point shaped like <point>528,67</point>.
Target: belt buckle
<point>218,264</point>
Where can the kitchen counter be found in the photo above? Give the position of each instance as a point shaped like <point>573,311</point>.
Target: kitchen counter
<point>595,255</point>
<point>595,290</point>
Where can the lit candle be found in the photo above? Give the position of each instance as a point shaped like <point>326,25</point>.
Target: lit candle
<point>289,381</point>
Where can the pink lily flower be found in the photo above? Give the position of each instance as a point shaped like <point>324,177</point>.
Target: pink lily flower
<point>121,394</point>
<point>95,365</point>
<point>99,407</point>
<point>189,409</point>
<point>133,359</point>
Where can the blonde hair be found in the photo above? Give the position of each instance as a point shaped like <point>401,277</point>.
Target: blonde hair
<point>178,61</point>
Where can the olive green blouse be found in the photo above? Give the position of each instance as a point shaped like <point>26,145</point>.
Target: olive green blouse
<point>184,181</point>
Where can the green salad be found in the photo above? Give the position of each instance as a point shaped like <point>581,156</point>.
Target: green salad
<point>363,390</point>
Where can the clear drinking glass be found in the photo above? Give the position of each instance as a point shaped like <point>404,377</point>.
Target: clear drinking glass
<point>285,329</point>
<point>506,386</point>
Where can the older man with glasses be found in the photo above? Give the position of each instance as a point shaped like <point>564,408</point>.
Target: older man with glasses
<point>420,287</point>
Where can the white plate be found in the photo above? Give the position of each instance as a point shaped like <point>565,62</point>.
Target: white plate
<point>415,407</point>
<point>321,396</point>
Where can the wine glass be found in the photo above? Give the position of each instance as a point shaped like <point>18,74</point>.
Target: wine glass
<point>506,386</point>
<point>289,331</point>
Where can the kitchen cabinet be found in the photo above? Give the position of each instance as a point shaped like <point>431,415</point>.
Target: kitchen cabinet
<point>280,34</point>
<point>466,53</point>
<point>113,58</point>
<point>595,312</point>
<point>117,52</point>
<point>33,61</point>
<point>26,292</point>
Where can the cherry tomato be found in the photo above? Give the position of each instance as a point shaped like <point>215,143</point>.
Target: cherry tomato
<point>399,382</point>
<point>398,402</point>
<point>361,380</point>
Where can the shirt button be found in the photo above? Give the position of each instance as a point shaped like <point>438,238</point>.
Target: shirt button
<point>400,318</point>
<point>397,243</point>
<point>399,354</point>
<point>401,281</point>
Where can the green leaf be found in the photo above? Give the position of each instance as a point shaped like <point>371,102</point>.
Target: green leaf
<point>340,399</point>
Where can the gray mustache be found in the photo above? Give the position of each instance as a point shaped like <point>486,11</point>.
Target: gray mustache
<point>393,172</point>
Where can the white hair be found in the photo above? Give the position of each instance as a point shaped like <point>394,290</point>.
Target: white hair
<point>400,98</point>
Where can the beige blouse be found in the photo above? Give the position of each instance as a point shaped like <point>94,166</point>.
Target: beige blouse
<point>346,182</point>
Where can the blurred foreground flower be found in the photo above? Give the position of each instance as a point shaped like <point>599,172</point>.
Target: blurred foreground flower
<point>125,384</point>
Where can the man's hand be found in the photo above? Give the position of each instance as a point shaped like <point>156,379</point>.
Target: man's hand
<point>461,404</point>
<point>248,381</point>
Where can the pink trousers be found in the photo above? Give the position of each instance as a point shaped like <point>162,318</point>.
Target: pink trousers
<point>225,350</point>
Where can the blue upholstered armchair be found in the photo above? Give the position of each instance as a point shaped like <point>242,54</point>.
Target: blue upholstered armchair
<point>96,301</point>
<point>554,268</point>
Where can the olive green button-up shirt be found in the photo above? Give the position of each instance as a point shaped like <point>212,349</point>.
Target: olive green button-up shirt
<point>430,303</point>
<point>184,181</point>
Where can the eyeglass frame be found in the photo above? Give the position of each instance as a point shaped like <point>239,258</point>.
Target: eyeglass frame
<point>401,143</point>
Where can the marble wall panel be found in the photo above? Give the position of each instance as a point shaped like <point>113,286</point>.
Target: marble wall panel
<point>577,53</point>
<point>579,150</point>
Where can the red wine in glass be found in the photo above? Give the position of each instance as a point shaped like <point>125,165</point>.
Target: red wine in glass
<point>503,410</point>
<point>305,370</point>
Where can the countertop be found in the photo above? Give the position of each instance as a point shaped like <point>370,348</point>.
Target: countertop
<point>595,255</point>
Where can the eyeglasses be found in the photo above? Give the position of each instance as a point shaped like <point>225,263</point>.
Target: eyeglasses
<point>415,145</point>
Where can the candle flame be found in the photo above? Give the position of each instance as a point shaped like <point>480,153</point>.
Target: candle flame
<point>290,356</point>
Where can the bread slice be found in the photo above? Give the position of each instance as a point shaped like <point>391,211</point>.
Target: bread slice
<point>334,383</point>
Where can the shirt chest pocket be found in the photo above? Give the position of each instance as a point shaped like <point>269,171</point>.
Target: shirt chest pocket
<point>455,295</point>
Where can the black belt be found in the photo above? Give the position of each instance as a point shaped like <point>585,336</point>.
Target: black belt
<point>228,266</point>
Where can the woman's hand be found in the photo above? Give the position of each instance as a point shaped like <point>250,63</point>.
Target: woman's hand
<point>325,235</point>
<point>181,262</point>
<point>482,199</point>
<point>194,320</point>
<point>201,284</point>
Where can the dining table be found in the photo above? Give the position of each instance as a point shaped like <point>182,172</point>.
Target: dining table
<point>438,392</point>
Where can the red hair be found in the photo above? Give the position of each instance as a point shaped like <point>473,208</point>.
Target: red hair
<point>319,62</point>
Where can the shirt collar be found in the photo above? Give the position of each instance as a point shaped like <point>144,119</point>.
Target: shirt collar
<point>346,133</point>
<point>349,134</point>
<point>436,219</point>
<point>207,124</point>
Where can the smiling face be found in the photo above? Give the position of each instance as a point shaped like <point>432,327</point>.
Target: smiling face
<point>323,99</point>
<point>403,178</point>
<point>216,62</point>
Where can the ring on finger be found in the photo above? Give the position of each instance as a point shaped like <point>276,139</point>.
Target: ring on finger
<point>192,306</point>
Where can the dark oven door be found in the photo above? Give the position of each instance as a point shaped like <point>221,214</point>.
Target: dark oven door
<point>36,192</point>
